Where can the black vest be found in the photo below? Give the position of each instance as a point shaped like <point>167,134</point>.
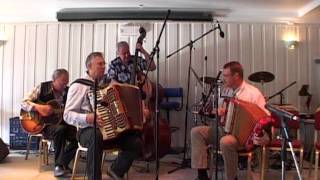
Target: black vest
<point>47,94</point>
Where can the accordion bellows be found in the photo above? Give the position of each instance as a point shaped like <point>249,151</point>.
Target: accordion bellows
<point>241,119</point>
<point>120,107</point>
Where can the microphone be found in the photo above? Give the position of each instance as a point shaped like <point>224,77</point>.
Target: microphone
<point>220,30</point>
<point>281,113</point>
<point>218,76</point>
<point>217,81</point>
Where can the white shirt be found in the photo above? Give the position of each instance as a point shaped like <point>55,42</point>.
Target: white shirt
<point>78,105</point>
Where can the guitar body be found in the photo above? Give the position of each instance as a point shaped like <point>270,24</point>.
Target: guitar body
<point>33,123</point>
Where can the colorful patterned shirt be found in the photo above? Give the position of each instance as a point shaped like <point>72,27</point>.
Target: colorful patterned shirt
<point>121,72</point>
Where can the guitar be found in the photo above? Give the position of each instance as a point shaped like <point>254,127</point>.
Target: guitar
<point>33,123</point>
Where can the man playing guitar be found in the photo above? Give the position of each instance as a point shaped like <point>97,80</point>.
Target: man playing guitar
<point>38,102</point>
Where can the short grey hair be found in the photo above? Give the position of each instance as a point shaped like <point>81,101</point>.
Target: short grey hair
<point>122,44</point>
<point>59,72</point>
<point>91,56</point>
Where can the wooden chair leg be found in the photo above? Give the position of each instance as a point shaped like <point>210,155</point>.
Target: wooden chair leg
<point>301,161</point>
<point>316,165</point>
<point>249,170</point>
<point>263,163</point>
<point>76,158</point>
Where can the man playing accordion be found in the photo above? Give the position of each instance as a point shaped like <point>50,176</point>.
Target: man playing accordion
<point>202,136</point>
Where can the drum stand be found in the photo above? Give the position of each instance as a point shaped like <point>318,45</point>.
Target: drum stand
<point>186,162</point>
<point>195,108</point>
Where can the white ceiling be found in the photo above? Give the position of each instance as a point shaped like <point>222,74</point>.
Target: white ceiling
<point>229,10</point>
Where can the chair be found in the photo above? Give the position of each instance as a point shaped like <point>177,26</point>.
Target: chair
<point>169,105</point>
<point>44,147</point>
<point>84,149</point>
<point>244,153</point>
<point>275,144</point>
<point>44,150</point>
<point>317,144</point>
<point>30,137</point>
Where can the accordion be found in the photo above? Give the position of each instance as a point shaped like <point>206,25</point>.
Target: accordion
<point>242,118</point>
<point>120,107</point>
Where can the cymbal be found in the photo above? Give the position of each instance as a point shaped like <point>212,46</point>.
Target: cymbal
<point>261,76</point>
<point>207,79</point>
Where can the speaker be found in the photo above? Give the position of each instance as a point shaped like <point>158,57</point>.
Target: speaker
<point>4,151</point>
<point>92,14</point>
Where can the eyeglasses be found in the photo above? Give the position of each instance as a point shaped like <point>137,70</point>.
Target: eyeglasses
<point>227,75</point>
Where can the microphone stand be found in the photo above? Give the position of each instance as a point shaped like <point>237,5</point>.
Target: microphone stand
<point>95,175</point>
<point>156,51</point>
<point>184,164</point>
<point>281,93</point>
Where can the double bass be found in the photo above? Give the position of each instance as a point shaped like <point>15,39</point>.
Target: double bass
<point>149,90</point>
<point>149,124</point>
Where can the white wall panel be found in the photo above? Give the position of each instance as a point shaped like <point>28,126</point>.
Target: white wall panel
<point>111,41</point>
<point>86,46</point>
<point>2,28</point>
<point>64,45</point>
<point>18,67</point>
<point>75,51</point>
<point>269,56</point>
<point>30,56</point>
<point>99,37</point>
<point>41,53</point>
<point>7,76</point>
<point>52,48</point>
<point>33,51</point>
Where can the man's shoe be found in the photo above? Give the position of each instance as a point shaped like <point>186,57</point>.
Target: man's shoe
<point>58,171</point>
<point>67,170</point>
<point>113,175</point>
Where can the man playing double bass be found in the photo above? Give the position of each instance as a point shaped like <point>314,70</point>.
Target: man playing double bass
<point>121,68</point>
<point>36,101</point>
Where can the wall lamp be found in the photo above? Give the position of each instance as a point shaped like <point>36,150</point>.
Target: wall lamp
<point>291,40</point>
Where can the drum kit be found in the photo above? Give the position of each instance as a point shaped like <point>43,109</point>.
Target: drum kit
<point>207,108</point>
